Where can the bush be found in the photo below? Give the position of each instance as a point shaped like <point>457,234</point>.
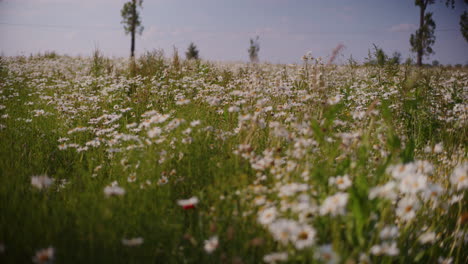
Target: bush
<point>192,52</point>
<point>100,64</point>
<point>152,63</point>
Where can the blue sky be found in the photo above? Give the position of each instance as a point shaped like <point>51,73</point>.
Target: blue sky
<point>221,29</point>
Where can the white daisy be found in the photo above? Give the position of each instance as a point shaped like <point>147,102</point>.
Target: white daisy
<point>413,183</point>
<point>188,203</point>
<point>304,237</point>
<point>211,244</point>
<point>428,237</point>
<point>407,208</point>
<point>389,232</point>
<point>283,230</point>
<point>114,189</point>
<point>41,182</point>
<point>387,191</point>
<point>342,182</point>
<point>267,216</point>
<point>275,257</point>
<point>459,178</point>
<point>335,204</point>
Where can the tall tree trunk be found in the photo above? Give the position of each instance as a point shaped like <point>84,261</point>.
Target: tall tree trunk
<point>132,49</point>
<point>420,37</point>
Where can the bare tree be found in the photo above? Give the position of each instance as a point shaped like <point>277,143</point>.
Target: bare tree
<point>132,21</point>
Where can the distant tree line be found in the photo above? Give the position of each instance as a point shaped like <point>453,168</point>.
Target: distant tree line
<point>421,41</point>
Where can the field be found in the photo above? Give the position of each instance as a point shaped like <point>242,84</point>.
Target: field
<point>172,161</point>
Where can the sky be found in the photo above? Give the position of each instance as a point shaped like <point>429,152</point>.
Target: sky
<point>221,29</point>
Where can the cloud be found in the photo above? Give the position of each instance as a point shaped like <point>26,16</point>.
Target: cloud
<point>403,27</point>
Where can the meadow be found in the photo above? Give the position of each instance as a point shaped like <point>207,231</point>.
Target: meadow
<point>172,161</point>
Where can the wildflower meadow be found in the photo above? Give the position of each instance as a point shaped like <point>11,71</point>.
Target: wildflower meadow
<point>190,161</point>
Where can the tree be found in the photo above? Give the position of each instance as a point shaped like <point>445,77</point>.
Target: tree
<point>435,63</point>
<point>424,37</point>
<point>254,49</point>
<point>396,58</point>
<point>380,55</point>
<point>192,52</point>
<point>463,18</point>
<point>377,57</point>
<point>464,25</point>
<point>132,21</point>
<point>408,61</point>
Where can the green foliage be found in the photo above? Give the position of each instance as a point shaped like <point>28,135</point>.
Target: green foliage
<point>463,18</point>
<point>409,61</point>
<point>254,49</point>
<point>464,25</point>
<point>132,24</point>
<point>424,37</point>
<point>352,62</point>
<point>100,64</point>
<point>152,63</point>
<point>396,58</point>
<point>378,57</point>
<point>451,3</point>
<point>192,52</point>
<point>175,59</point>
<point>422,41</point>
<point>47,55</point>
<point>131,17</point>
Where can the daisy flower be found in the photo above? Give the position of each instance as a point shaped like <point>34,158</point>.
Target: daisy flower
<point>304,237</point>
<point>275,257</point>
<point>114,189</point>
<point>211,244</point>
<point>335,204</point>
<point>459,178</point>
<point>428,237</point>
<point>342,182</point>
<point>407,208</point>
<point>188,203</point>
<point>283,230</point>
<point>41,182</point>
<point>267,216</point>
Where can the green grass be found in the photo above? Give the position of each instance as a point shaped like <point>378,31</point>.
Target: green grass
<point>402,116</point>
